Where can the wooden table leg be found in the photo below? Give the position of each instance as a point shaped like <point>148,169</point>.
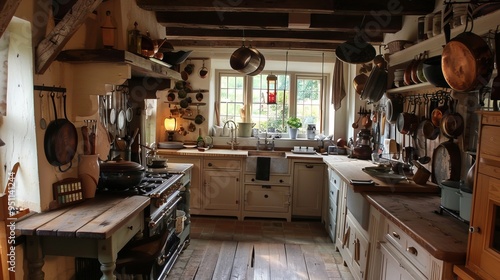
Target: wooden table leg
<point>35,256</point>
<point>107,257</point>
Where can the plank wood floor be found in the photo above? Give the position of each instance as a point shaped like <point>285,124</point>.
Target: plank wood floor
<point>290,251</point>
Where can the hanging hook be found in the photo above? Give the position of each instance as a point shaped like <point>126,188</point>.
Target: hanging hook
<point>40,94</point>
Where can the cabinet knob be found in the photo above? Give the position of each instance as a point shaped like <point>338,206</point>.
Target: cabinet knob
<point>412,250</point>
<point>335,181</point>
<point>266,196</point>
<point>209,164</point>
<point>396,235</point>
<point>253,180</point>
<point>281,181</point>
<point>474,230</point>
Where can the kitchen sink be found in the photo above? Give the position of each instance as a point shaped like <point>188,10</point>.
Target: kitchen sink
<point>260,153</point>
<point>278,164</point>
<point>384,173</point>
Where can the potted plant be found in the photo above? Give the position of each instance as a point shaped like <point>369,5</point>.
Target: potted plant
<point>294,124</point>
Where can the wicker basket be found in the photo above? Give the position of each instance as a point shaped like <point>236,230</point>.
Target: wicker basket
<point>396,46</point>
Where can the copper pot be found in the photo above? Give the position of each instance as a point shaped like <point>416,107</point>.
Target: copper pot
<point>467,62</point>
<point>407,123</point>
<point>407,75</point>
<point>452,124</point>
<point>359,82</point>
<point>438,113</point>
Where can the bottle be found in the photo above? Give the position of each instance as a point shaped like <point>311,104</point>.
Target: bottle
<point>200,142</point>
<point>134,40</point>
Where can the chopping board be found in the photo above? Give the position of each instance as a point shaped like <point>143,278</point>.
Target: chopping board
<point>102,146</point>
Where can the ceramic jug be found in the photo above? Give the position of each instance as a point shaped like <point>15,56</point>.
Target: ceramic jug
<point>311,131</point>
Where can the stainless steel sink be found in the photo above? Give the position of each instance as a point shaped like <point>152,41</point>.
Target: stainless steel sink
<point>384,173</point>
<point>261,153</point>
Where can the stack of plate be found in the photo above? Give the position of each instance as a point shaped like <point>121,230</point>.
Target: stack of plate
<point>398,77</point>
<point>170,145</point>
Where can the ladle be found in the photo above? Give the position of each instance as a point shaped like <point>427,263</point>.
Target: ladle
<point>355,124</point>
<point>425,159</point>
<point>43,122</point>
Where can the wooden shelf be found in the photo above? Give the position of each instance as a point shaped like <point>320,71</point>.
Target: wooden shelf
<point>190,104</point>
<point>482,25</point>
<point>411,88</point>
<point>140,66</point>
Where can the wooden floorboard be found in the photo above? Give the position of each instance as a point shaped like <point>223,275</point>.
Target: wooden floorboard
<point>246,260</point>
<point>225,262</point>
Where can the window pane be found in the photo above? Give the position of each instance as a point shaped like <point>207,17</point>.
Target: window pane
<point>232,97</point>
<point>308,101</point>
<point>269,117</point>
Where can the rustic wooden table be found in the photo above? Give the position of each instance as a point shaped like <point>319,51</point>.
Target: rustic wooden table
<point>97,228</point>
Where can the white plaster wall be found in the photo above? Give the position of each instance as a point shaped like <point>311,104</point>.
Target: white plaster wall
<point>17,128</point>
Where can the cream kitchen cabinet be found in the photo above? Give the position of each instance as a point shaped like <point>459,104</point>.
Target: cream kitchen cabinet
<point>355,247</point>
<point>270,199</point>
<point>221,187</point>
<point>308,188</point>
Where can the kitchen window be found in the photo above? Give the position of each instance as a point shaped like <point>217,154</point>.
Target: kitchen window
<point>297,95</point>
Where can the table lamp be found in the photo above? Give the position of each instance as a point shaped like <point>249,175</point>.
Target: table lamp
<point>170,123</point>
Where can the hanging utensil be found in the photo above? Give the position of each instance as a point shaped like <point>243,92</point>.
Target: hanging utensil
<point>43,122</point>
<point>356,50</point>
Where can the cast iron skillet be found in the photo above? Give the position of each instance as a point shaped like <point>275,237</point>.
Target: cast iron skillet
<point>60,140</point>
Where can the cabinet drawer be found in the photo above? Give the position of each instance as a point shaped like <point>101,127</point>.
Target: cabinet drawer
<point>273,180</point>
<point>416,254</point>
<point>228,164</point>
<point>491,120</point>
<point>267,198</point>
<point>490,137</point>
<point>334,179</point>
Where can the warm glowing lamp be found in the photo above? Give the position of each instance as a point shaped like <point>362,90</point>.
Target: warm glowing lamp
<point>271,89</point>
<point>169,124</point>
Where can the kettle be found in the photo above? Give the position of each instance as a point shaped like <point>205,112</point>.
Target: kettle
<point>311,131</point>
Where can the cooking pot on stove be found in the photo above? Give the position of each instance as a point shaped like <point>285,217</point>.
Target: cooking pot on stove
<point>120,174</point>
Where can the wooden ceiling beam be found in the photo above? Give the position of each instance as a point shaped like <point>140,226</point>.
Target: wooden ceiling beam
<point>256,6</point>
<point>361,7</point>
<point>279,21</point>
<point>263,35</point>
<point>48,49</point>
<point>7,10</point>
<point>280,45</point>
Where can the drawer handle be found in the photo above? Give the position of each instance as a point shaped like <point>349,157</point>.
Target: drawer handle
<point>281,181</point>
<point>266,186</point>
<point>253,180</point>
<point>335,181</point>
<point>396,235</point>
<point>309,166</point>
<point>412,250</point>
<point>266,196</point>
<point>209,164</point>
<point>130,227</point>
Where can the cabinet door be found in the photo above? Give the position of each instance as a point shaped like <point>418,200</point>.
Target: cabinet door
<point>392,268</point>
<point>267,198</point>
<point>195,187</point>
<point>221,190</point>
<point>484,246</point>
<point>308,184</point>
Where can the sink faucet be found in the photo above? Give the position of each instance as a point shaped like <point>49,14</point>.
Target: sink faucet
<point>232,133</point>
<point>268,145</point>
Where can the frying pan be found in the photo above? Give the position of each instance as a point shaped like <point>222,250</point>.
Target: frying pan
<point>467,62</point>
<point>394,108</point>
<point>446,162</point>
<point>375,85</point>
<point>452,123</point>
<point>430,131</point>
<point>60,140</point>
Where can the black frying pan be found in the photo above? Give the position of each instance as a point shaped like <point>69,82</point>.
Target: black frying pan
<point>60,140</point>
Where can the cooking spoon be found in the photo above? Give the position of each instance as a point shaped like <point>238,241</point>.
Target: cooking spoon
<point>355,124</point>
<point>43,122</point>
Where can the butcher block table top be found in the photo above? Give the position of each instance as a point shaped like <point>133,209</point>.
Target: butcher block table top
<point>443,236</point>
<point>351,169</point>
<point>96,228</point>
<point>98,218</point>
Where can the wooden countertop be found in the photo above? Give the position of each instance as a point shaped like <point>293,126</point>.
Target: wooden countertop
<point>349,168</point>
<point>97,218</point>
<point>229,153</point>
<point>443,236</point>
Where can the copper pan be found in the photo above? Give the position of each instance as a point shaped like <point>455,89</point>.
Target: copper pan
<point>467,62</point>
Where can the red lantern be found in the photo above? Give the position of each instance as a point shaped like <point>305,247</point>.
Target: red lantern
<point>271,89</point>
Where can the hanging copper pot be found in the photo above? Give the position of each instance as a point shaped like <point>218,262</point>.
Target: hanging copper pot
<point>467,62</point>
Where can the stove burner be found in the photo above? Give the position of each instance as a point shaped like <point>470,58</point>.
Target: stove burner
<point>150,184</point>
